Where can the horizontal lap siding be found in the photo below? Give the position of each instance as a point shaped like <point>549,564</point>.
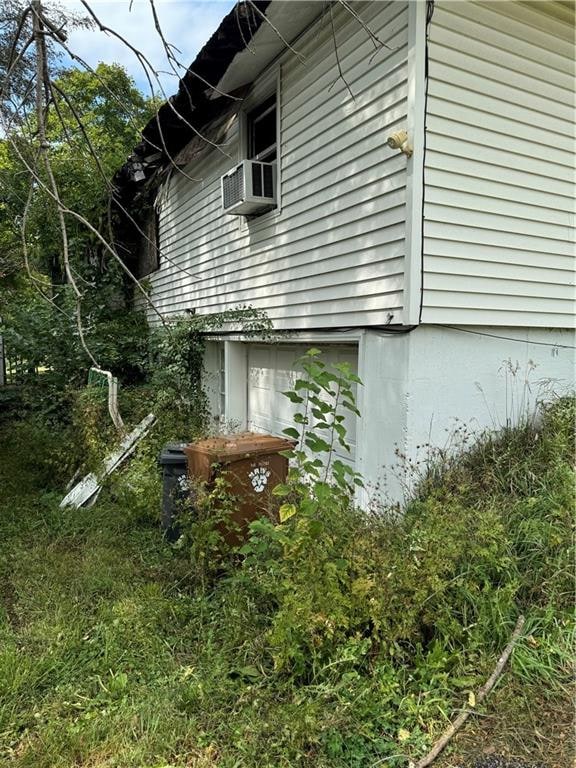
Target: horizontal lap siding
<point>334,253</point>
<point>499,178</point>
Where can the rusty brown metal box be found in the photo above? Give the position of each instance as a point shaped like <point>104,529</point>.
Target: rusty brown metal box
<point>252,466</point>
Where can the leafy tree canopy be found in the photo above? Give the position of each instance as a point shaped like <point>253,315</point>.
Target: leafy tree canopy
<point>93,121</point>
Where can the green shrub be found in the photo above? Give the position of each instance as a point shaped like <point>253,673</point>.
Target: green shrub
<point>437,591</point>
<point>335,639</point>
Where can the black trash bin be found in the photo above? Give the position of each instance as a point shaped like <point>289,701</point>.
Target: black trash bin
<point>175,487</point>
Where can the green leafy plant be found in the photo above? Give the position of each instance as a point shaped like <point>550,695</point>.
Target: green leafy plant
<point>205,521</point>
<point>176,366</point>
<point>301,559</point>
<point>322,394</point>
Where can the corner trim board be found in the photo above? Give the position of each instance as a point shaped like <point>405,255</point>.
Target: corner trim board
<point>415,165</point>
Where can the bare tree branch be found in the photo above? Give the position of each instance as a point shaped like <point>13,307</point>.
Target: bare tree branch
<point>13,63</point>
<point>126,106</point>
<point>56,32</point>
<point>300,57</point>
<point>241,31</point>
<point>54,101</point>
<point>373,37</point>
<point>107,182</point>
<point>7,124</point>
<point>37,284</point>
<point>90,227</point>
<point>175,63</point>
<point>148,66</point>
<point>341,74</point>
<point>480,696</point>
<point>42,84</point>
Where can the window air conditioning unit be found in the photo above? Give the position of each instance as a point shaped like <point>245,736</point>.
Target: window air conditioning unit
<point>249,188</point>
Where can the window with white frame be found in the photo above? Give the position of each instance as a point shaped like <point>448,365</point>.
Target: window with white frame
<point>262,132</point>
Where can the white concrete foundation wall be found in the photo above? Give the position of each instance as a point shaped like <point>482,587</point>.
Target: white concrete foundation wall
<point>382,401</point>
<point>422,390</point>
<point>432,385</point>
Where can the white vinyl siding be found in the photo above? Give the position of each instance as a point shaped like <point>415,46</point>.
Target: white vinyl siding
<point>499,165</point>
<point>333,254</point>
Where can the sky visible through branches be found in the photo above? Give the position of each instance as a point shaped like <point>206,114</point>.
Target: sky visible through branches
<point>144,38</point>
<point>186,24</point>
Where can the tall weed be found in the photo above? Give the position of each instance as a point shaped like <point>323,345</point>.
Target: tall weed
<point>335,639</point>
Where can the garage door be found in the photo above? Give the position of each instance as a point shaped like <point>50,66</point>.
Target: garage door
<point>271,371</point>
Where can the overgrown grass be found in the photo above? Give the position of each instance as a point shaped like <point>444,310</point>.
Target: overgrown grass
<point>348,647</point>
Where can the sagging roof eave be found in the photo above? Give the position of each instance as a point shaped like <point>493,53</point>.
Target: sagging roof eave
<point>182,117</point>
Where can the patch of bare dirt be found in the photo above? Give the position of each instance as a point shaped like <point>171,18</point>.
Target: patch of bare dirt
<point>517,729</point>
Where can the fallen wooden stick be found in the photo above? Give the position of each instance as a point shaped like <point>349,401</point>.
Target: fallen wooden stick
<point>86,491</point>
<point>480,696</point>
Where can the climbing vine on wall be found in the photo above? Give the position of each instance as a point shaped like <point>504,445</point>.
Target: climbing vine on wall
<point>177,363</point>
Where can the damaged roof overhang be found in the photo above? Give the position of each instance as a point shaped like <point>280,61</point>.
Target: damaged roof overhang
<point>251,36</point>
<point>170,129</point>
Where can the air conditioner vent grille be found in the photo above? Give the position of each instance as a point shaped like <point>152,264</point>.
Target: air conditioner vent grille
<point>256,180</point>
<point>233,189</point>
<point>268,180</point>
<point>262,180</point>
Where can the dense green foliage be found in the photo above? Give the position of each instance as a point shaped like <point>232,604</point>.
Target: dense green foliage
<point>336,639</point>
<point>93,122</point>
<point>175,366</point>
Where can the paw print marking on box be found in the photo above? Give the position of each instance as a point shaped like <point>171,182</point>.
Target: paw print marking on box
<point>183,483</point>
<point>259,478</point>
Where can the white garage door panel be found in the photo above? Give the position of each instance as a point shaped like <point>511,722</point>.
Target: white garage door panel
<point>271,372</point>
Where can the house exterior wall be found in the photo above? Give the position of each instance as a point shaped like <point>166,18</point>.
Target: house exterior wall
<point>271,373</point>
<point>422,390</point>
<point>435,386</point>
<point>342,253</point>
<point>333,253</point>
<point>499,165</point>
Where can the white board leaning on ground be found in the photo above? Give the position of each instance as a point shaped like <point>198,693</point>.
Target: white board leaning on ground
<point>87,490</point>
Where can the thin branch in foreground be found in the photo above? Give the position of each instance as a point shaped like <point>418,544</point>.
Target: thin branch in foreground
<point>63,95</point>
<point>480,696</point>
<point>174,62</point>
<point>107,182</point>
<point>92,229</point>
<point>37,284</point>
<point>241,31</point>
<point>13,64</point>
<point>54,101</point>
<point>64,210</point>
<point>338,64</point>
<point>57,32</point>
<point>146,64</point>
<point>43,87</point>
<point>127,106</point>
<point>12,59</point>
<point>20,111</point>
<point>111,250</point>
<point>376,42</point>
<point>298,55</point>
<point>114,96</point>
